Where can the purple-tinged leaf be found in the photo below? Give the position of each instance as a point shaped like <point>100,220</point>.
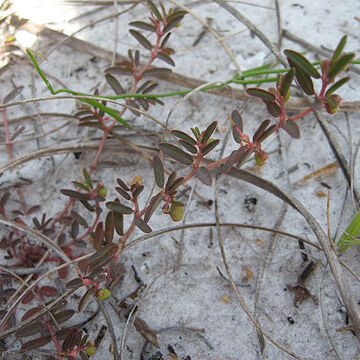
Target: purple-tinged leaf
<point>337,85</point>
<point>123,193</point>
<point>175,185</point>
<point>243,155</point>
<point>134,106</point>
<point>119,70</point>
<point>141,39</point>
<point>181,135</point>
<point>165,40</point>
<point>122,184</point>
<point>165,58</point>
<point>30,329</point>
<point>154,10</point>
<point>176,153</point>
<point>188,146</point>
<point>292,128</point>
<point>339,48</point>
<point>230,161</point>
<point>48,291</point>
<point>158,171</point>
<point>203,174</point>
<point>266,133</point>
<point>174,20</point>
<point>74,229</point>
<point>107,250</point>
<point>286,82</point>
<point>156,71</point>
<point>35,344</point>
<point>87,206</point>
<point>154,203</point>
<point>304,81</point>
<point>170,181</point>
<point>114,84</point>
<point>143,25</point>
<point>142,225</point>
<point>236,120</point>
<point>138,190</point>
<point>119,208</point>
<point>137,58</point>
<point>208,132</point>
<point>273,109</point>
<point>85,298</point>
<point>109,227</point>
<point>262,94</point>
<point>31,312</point>
<point>75,195</point>
<point>236,135</point>
<point>64,315</point>
<point>340,65</point>
<point>81,185</point>
<point>300,61</point>
<point>74,283</point>
<point>176,13</point>
<point>261,129</point>
<point>209,146</point>
<point>119,223</point>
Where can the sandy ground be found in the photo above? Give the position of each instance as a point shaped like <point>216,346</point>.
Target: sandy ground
<point>182,297</point>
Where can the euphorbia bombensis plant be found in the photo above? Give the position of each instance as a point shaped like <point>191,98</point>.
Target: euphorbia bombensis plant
<point>194,146</point>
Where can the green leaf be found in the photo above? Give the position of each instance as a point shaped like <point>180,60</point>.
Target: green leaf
<point>204,175</point>
<point>143,25</point>
<point>154,203</point>
<point>266,133</point>
<point>351,234</point>
<point>30,329</point>
<point>154,10</point>
<point>243,155</point>
<point>35,344</point>
<point>138,190</point>
<point>286,82</point>
<point>109,227</point>
<point>142,225</point>
<point>230,161</point>
<point>119,208</point>
<point>75,195</point>
<point>119,70</point>
<point>304,81</point>
<point>338,50</point>
<point>165,58</point>
<point>177,182</point>
<point>181,135</point>
<point>141,39</point>
<point>114,84</point>
<point>64,315</point>
<point>237,120</point>
<point>122,184</point>
<point>340,65</point>
<point>292,128</point>
<point>176,153</point>
<point>81,185</point>
<point>301,62</point>
<point>123,193</point>
<point>85,298</point>
<point>87,179</point>
<point>156,71</point>
<point>170,181</point>
<point>210,146</point>
<point>262,94</point>
<point>208,132</point>
<point>337,85</point>
<point>174,20</point>
<point>261,129</point>
<point>236,135</point>
<point>119,223</point>
<point>188,146</point>
<point>273,109</point>
<point>106,251</point>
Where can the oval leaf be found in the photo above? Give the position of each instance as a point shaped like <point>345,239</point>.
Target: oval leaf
<point>36,343</point>
<point>181,135</point>
<point>75,195</point>
<point>262,94</point>
<point>339,49</point>
<point>273,109</point>
<point>337,85</point>
<point>210,146</point>
<point>188,146</point>
<point>158,171</point>
<point>208,132</point>
<point>292,128</point>
<point>142,225</point>
<point>119,208</point>
<point>143,25</point>
<point>203,174</point>
<point>154,203</point>
<point>340,65</point>
<point>286,82</point>
<point>176,153</point>
<point>165,58</point>
<point>300,61</point>
<point>261,129</point>
<point>141,39</point>
<point>114,84</point>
